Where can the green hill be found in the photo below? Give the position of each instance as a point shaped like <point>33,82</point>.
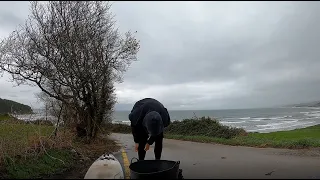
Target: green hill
<point>305,104</point>
<point>310,104</point>
<point>8,106</point>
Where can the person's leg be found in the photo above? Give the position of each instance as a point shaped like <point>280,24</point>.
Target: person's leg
<point>158,146</point>
<point>141,151</point>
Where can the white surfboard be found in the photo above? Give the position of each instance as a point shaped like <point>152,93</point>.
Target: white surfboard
<point>105,167</point>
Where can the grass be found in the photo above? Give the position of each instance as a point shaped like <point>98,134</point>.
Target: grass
<point>4,117</point>
<point>294,139</point>
<point>36,167</point>
<point>16,138</point>
<point>28,150</point>
<point>207,130</point>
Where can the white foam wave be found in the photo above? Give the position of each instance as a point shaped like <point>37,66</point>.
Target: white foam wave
<point>277,124</point>
<point>232,122</point>
<point>245,118</point>
<point>303,112</point>
<point>258,119</point>
<point>291,119</point>
<point>271,118</point>
<point>313,114</point>
<point>121,122</point>
<point>282,126</point>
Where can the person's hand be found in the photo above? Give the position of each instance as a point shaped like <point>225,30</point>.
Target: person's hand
<point>147,147</point>
<point>136,147</point>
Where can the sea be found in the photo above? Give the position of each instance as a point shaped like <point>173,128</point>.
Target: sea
<point>261,120</point>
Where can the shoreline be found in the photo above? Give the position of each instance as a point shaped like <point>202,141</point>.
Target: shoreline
<point>248,131</point>
<point>262,120</point>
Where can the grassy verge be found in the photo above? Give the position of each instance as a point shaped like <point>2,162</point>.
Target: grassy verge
<point>4,117</point>
<point>207,130</point>
<point>29,150</point>
<point>35,167</point>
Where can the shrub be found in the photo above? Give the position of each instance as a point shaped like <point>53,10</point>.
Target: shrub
<point>204,126</point>
<point>120,128</point>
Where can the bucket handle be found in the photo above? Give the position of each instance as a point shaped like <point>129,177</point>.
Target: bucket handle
<point>133,159</point>
<point>177,162</point>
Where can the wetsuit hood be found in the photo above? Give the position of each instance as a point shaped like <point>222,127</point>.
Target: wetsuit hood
<point>153,123</point>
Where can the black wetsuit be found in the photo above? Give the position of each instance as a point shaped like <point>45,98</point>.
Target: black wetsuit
<point>139,131</point>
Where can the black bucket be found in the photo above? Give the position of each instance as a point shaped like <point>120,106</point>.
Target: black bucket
<point>148,169</point>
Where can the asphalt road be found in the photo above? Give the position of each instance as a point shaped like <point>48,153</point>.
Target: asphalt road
<point>201,160</point>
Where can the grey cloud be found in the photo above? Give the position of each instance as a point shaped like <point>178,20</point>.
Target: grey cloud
<point>247,54</point>
<point>25,91</point>
<point>195,50</point>
<point>22,94</point>
<point>271,47</point>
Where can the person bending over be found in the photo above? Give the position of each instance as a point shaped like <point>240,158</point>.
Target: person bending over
<point>148,119</point>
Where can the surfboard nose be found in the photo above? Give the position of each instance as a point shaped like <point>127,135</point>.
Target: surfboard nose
<point>107,166</point>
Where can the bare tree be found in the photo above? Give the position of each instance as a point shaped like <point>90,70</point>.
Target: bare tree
<point>74,53</point>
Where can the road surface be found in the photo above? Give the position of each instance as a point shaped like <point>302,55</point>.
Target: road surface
<point>201,160</point>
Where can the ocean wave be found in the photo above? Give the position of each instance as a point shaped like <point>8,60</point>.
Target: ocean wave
<point>303,112</point>
<point>121,122</point>
<point>277,124</point>
<point>291,119</point>
<point>313,114</point>
<point>258,119</point>
<point>232,122</point>
<point>245,118</point>
<point>276,118</point>
<point>282,127</point>
<point>287,116</point>
<point>268,118</point>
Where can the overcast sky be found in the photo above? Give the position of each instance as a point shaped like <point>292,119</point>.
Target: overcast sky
<point>208,55</point>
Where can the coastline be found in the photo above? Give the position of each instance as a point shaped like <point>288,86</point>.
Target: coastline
<point>262,120</point>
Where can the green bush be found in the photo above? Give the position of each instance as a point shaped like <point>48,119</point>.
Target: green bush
<point>120,128</point>
<point>204,126</point>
